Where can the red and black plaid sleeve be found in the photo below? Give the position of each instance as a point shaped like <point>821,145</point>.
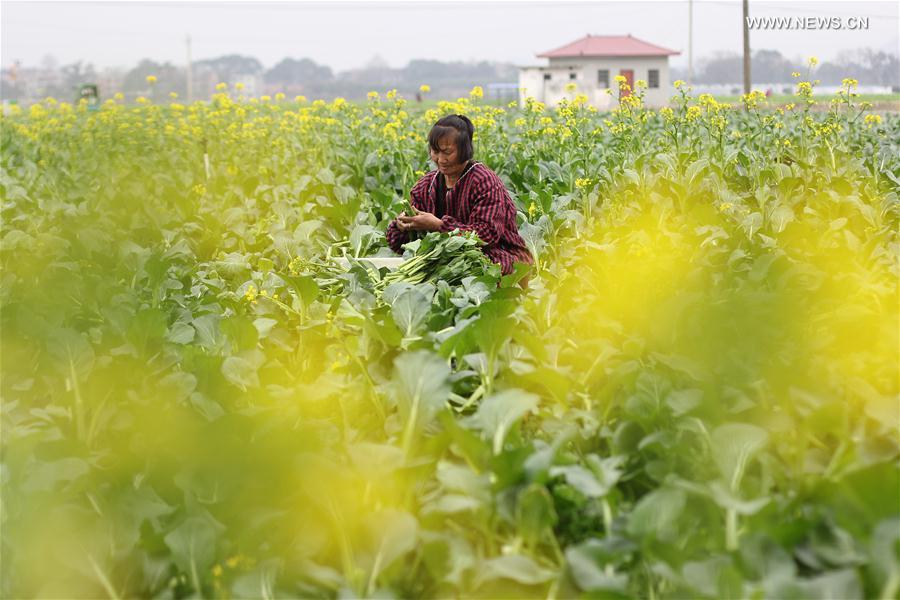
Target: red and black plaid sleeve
<point>484,218</point>
<point>493,218</point>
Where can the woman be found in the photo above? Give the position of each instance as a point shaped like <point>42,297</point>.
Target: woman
<point>462,194</point>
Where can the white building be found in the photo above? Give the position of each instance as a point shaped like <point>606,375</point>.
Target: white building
<point>592,63</point>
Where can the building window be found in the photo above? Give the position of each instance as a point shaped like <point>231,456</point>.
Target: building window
<point>573,75</point>
<point>546,76</point>
<point>653,78</point>
<point>603,78</point>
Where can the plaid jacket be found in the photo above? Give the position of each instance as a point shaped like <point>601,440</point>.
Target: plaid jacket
<point>478,202</point>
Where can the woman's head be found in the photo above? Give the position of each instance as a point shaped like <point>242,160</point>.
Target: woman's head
<point>450,141</point>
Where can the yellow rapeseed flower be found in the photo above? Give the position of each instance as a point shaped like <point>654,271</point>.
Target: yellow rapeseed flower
<point>872,120</point>
<point>571,87</point>
<point>424,88</point>
<point>476,92</point>
<point>151,79</point>
<point>678,83</point>
<point>221,86</point>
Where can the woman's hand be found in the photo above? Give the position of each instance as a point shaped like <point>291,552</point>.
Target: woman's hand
<point>421,221</point>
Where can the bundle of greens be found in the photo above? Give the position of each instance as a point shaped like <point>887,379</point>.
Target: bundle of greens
<point>439,256</point>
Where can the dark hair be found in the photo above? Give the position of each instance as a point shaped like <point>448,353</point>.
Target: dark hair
<point>464,130</point>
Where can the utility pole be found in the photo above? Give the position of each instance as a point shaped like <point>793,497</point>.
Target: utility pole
<point>746,46</point>
<point>190,78</point>
<point>690,76</point>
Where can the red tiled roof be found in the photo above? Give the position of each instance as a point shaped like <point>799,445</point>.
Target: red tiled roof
<point>608,45</point>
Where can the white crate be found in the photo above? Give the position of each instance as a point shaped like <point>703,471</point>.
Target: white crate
<point>390,262</point>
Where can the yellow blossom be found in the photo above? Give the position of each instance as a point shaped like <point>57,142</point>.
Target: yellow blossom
<point>571,87</point>
<point>221,86</point>
<point>582,183</point>
<point>678,83</point>
<point>151,79</point>
<point>476,92</point>
<point>424,88</point>
<point>872,120</point>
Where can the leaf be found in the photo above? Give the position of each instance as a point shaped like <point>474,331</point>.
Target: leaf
<point>410,310</point>
<point>326,176</point>
<point>733,446</point>
<point>180,333</point>
<point>656,514</point>
<point>694,169</point>
<point>260,582</point>
<point>587,564</point>
<point>499,412</point>
<point>210,409</point>
<point>264,326</point>
<point>884,556</point>
<point>375,460</point>
<point>177,386</point>
<point>193,546</point>
<point>684,401</point>
<point>240,372</point>
<point>535,513</point>
<point>422,388</point>
<point>390,534</point>
<point>207,328</point>
<point>752,223</point>
<point>74,354</point>
<point>581,479</point>
<point>306,287</point>
<point>515,567</point>
<point>45,476</point>
<point>727,500</point>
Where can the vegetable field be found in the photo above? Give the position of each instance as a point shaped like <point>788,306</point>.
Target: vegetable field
<point>695,397</point>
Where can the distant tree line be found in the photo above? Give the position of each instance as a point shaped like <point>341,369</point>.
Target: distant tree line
<point>291,76</point>
<point>869,67</point>
<point>303,76</point>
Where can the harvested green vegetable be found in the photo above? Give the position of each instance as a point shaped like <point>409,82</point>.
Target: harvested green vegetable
<point>439,256</point>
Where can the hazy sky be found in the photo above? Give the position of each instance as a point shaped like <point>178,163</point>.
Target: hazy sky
<point>345,35</point>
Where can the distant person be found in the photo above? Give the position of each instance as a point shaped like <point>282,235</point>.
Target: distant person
<point>418,96</point>
<point>462,194</point>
